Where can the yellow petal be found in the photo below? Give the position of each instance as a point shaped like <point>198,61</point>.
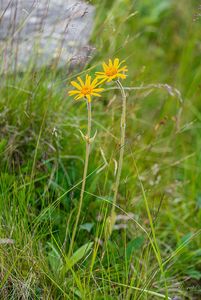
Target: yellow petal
<point>73,92</point>
<point>88,98</point>
<point>94,82</point>
<point>122,76</point>
<point>80,81</point>
<point>76,85</point>
<point>104,67</point>
<point>116,63</point>
<point>88,80</point>
<point>110,63</point>
<point>102,79</point>
<point>102,76</point>
<point>95,94</point>
<point>111,78</point>
<point>78,97</point>
<point>98,90</point>
<point>123,69</point>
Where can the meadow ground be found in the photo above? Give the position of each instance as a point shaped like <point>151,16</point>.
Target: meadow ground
<point>154,250</point>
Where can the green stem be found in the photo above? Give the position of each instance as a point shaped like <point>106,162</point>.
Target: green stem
<point>87,140</point>
<point>122,143</point>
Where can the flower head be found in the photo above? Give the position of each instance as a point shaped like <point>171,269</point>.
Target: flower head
<point>85,89</point>
<point>112,70</point>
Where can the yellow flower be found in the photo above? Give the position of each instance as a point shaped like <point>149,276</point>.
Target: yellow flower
<point>112,70</point>
<point>85,89</point>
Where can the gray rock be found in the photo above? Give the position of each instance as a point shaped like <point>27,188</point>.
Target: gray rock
<point>44,32</point>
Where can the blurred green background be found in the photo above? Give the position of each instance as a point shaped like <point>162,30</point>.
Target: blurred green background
<point>161,43</point>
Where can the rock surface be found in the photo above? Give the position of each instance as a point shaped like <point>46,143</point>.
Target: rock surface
<point>44,32</point>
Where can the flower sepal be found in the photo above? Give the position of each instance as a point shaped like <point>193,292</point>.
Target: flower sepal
<point>86,138</point>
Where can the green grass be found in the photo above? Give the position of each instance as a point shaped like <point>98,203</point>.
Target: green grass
<point>155,248</point>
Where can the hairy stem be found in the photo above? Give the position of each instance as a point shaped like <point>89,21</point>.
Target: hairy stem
<point>87,140</point>
<point>122,143</point>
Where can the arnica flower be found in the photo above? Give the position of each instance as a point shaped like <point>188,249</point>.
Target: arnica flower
<point>112,70</point>
<point>85,89</point>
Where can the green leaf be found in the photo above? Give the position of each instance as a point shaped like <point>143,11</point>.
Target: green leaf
<point>186,237</point>
<point>134,245</point>
<point>199,201</point>
<point>109,224</point>
<point>76,292</point>
<point>54,258</point>
<point>3,144</point>
<point>87,226</point>
<point>194,274</point>
<point>78,255</point>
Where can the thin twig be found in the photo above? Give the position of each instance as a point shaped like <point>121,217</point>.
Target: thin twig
<point>171,90</point>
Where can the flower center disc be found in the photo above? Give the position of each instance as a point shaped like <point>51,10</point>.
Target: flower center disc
<point>111,71</point>
<point>86,90</point>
